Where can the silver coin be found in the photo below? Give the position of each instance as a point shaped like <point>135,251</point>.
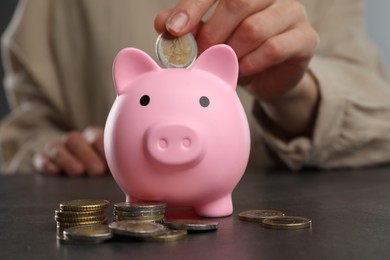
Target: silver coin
<point>136,228</point>
<point>192,224</point>
<point>94,233</point>
<point>176,52</point>
<point>140,218</point>
<point>157,219</point>
<point>139,213</point>
<point>139,206</point>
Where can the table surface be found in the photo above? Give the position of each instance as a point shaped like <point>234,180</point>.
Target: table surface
<point>350,213</point>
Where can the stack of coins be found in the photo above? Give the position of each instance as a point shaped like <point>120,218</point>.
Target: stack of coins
<point>140,211</point>
<point>80,212</point>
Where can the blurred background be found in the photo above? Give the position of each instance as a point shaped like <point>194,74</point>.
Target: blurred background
<point>6,9</point>
<point>377,19</point>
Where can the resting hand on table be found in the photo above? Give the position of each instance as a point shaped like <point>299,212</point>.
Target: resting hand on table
<point>77,154</point>
<point>274,43</point>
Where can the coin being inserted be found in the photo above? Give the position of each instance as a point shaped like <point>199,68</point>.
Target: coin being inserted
<point>176,52</point>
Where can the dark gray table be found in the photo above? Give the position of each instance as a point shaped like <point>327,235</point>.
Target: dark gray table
<point>350,211</point>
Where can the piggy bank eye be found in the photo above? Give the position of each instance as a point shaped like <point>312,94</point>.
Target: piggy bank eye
<point>204,101</point>
<point>144,101</point>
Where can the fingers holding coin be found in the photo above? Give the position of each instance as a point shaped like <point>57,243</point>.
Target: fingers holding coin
<point>187,16</point>
<point>263,33</point>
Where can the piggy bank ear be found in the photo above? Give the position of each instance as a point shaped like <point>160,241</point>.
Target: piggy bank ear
<point>220,60</point>
<point>128,65</point>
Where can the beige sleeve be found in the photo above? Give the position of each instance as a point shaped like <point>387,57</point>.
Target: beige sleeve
<point>31,87</point>
<point>353,124</point>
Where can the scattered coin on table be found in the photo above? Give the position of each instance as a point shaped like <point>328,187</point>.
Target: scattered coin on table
<point>287,222</point>
<point>259,215</point>
<point>192,224</point>
<point>274,219</point>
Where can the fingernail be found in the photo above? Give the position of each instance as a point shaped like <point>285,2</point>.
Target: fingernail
<point>178,21</point>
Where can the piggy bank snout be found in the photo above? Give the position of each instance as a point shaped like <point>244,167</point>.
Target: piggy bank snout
<point>174,145</point>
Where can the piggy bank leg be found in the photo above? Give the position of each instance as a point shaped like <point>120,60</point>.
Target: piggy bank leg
<point>220,207</point>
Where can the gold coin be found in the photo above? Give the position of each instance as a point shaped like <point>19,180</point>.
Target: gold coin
<point>139,206</point>
<point>176,52</point>
<point>84,205</point>
<point>77,214</point>
<point>145,218</point>
<point>81,219</point>
<point>118,218</point>
<point>138,214</point>
<point>161,221</point>
<point>72,224</point>
<point>286,222</point>
<point>170,235</point>
<point>140,211</point>
<point>259,215</point>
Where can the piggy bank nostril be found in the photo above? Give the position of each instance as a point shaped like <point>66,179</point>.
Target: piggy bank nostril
<point>163,143</point>
<point>186,142</point>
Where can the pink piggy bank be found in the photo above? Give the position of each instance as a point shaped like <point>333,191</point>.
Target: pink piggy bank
<point>179,136</point>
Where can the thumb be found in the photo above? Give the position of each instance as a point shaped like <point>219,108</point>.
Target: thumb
<point>186,16</point>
